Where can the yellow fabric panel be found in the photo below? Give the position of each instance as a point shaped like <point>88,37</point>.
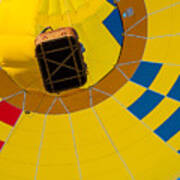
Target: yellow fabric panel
<point>175,141</point>
<point>157,50</point>
<point>0,70</point>
<point>144,153</point>
<point>173,51</point>
<point>113,113</point>
<point>165,20</point>
<point>19,156</point>
<point>165,79</point>
<point>129,93</point>
<point>19,62</point>
<point>13,170</point>
<point>164,48</point>
<point>4,131</point>
<point>176,14</point>
<point>153,5</point>
<point>161,113</point>
<point>66,13</point>
<point>159,24</point>
<point>17,50</point>
<point>97,156</point>
<point>58,160</point>
<point>20,18</point>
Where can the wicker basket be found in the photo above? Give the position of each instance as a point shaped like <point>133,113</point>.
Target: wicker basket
<point>60,60</point>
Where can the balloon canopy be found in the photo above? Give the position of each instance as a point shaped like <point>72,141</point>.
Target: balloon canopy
<point>124,123</point>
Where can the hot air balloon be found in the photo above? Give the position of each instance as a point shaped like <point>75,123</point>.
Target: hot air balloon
<point>122,123</point>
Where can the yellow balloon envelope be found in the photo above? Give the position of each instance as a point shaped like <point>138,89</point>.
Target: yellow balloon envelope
<point>124,123</point>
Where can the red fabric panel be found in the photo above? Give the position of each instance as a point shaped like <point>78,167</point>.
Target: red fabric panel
<point>1,144</point>
<point>8,113</point>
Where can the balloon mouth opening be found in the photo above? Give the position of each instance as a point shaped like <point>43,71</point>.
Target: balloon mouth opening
<point>107,62</point>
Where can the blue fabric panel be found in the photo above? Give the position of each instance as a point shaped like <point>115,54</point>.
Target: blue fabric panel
<point>170,127</point>
<point>175,91</point>
<point>115,26</point>
<point>145,104</point>
<point>146,73</point>
<point>112,2</point>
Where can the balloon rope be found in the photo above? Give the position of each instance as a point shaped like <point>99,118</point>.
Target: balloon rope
<point>108,136</point>
<point>73,136</point>
<point>42,137</point>
<point>139,61</point>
